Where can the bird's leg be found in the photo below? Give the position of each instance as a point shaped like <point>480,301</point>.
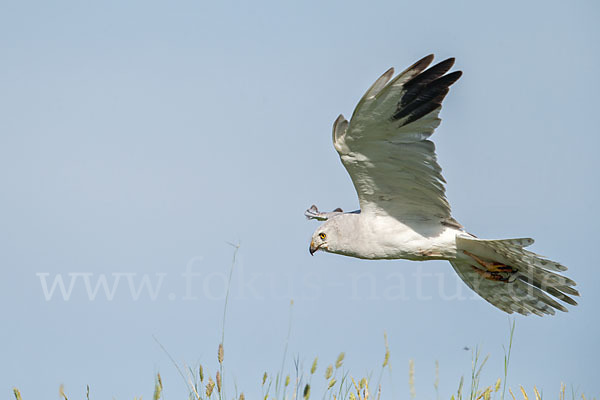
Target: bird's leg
<point>492,276</point>
<point>494,271</point>
<point>490,266</point>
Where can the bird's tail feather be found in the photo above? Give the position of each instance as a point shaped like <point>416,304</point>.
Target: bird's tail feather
<point>512,278</point>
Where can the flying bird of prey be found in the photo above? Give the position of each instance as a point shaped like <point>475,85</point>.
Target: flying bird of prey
<point>404,213</point>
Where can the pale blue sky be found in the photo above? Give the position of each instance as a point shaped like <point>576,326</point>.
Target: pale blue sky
<point>139,136</point>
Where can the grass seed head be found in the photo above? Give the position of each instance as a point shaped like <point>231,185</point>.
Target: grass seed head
<point>210,387</point>
<point>17,394</point>
<point>386,359</point>
<point>158,387</point>
<point>340,360</point>
<point>331,383</point>
<point>487,394</point>
<point>306,393</point>
<point>314,366</point>
<point>201,373</point>
<point>61,392</point>
<point>264,378</point>
<point>218,381</point>
<point>498,382</point>
<point>329,372</point>
<point>524,394</point>
<point>363,383</point>
<point>242,397</point>
<point>220,353</point>
<point>287,381</point>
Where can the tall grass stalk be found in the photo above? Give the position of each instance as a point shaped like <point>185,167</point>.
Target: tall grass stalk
<point>279,379</point>
<point>476,368</point>
<point>386,361</point>
<point>222,344</point>
<point>436,382</point>
<point>17,394</point>
<point>507,355</point>
<point>187,384</point>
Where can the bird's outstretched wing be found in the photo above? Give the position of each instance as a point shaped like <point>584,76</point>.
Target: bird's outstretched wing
<point>385,147</point>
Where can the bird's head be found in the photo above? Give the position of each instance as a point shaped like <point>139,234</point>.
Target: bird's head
<point>323,237</point>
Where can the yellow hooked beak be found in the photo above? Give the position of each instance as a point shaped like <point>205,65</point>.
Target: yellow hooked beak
<point>312,248</point>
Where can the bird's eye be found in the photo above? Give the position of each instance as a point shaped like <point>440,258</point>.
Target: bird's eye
<point>322,236</point>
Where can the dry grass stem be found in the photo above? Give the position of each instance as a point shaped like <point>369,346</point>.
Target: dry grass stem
<point>436,382</point>
<point>524,394</point>
<point>537,394</point>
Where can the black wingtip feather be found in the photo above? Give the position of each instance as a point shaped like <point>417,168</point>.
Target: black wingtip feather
<point>451,77</point>
<point>426,91</point>
<point>419,66</point>
<point>422,63</point>
<point>426,108</point>
<point>419,82</point>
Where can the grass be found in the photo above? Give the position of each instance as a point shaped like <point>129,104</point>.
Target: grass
<point>338,384</point>
<point>334,382</point>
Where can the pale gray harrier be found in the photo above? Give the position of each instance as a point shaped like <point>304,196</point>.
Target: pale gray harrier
<point>403,208</point>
